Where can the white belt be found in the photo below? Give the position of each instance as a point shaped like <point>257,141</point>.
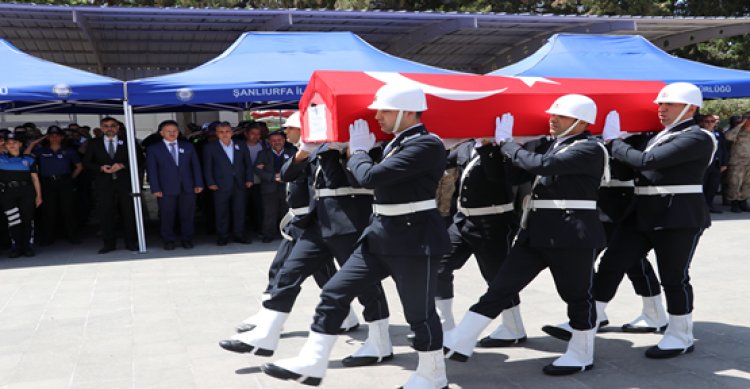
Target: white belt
<point>343,191</point>
<point>299,211</point>
<point>613,183</point>
<point>562,204</point>
<point>482,211</point>
<point>403,209</point>
<point>668,189</point>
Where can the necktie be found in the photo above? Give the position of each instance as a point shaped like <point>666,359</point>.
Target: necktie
<point>111,148</point>
<point>173,151</point>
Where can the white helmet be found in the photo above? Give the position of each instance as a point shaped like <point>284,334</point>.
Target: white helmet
<point>576,106</point>
<point>682,93</point>
<point>400,97</point>
<point>293,121</point>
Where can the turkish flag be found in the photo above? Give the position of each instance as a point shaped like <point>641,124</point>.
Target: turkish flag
<point>465,106</point>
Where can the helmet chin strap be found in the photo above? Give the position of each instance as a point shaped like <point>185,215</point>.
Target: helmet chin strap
<point>679,117</point>
<point>398,121</point>
<point>572,126</point>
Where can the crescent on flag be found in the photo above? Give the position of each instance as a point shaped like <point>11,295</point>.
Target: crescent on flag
<point>445,93</point>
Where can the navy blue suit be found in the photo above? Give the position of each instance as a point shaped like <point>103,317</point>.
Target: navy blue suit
<point>230,177</point>
<point>177,183</point>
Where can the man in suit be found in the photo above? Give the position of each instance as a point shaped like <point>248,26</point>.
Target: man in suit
<point>560,230</point>
<point>227,169</point>
<point>174,173</point>
<point>405,239</point>
<point>107,158</point>
<point>273,189</point>
<point>669,212</point>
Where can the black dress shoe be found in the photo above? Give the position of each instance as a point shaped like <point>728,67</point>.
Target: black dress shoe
<point>106,249</point>
<point>187,244</point>
<point>642,330</point>
<point>239,347</point>
<point>284,374</point>
<point>169,245</point>
<point>352,361</point>
<point>14,254</point>
<point>454,355</point>
<point>565,370</point>
<point>222,242</point>
<point>655,352</point>
<point>563,334</point>
<point>488,342</point>
<point>714,210</point>
<point>132,247</point>
<point>245,327</point>
<point>243,240</point>
<point>29,252</point>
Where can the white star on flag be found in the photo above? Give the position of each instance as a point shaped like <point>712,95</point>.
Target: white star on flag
<point>530,81</point>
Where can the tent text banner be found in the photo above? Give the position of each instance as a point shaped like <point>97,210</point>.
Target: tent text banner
<point>465,106</point>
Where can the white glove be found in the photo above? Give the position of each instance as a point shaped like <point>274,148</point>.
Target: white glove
<point>360,137</point>
<point>307,147</point>
<point>504,128</point>
<point>612,126</point>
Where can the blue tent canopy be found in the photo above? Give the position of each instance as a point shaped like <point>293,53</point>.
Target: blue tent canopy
<point>629,57</point>
<point>28,83</point>
<point>263,67</point>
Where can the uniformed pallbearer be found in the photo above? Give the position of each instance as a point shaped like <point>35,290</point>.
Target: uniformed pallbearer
<point>405,239</point>
<point>669,213</point>
<point>560,230</point>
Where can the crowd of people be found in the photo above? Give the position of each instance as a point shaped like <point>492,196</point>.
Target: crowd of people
<point>52,182</point>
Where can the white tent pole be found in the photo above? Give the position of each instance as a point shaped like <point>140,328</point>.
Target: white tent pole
<point>135,184</point>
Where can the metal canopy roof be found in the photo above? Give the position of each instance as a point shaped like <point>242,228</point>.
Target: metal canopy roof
<point>128,43</point>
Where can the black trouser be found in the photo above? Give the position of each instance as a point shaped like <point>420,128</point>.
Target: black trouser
<point>415,278</point>
<point>254,220</point>
<point>674,250</point>
<point>310,254</point>
<point>18,206</point>
<point>711,182</point>
<point>641,274</point>
<point>58,198</point>
<point>179,207</point>
<point>274,208</point>
<point>229,205</point>
<point>489,246</point>
<point>572,270</point>
<point>111,201</point>
<point>321,276</point>
<point>84,201</point>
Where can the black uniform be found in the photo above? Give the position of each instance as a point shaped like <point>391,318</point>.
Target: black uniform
<point>485,222</point>
<point>668,215</point>
<point>562,230</point>
<point>298,197</point>
<point>405,238</point>
<point>58,191</point>
<point>337,218</point>
<point>615,197</point>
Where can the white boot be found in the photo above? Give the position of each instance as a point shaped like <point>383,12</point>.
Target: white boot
<point>578,357</point>
<point>677,339</point>
<point>653,317</point>
<point>444,310</point>
<point>564,331</point>
<point>252,321</point>
<point>263,339</point>
<point>350,323</point>
<point>430,372</point>
<point>459,342</point>
<point>377,348</point>
<point>309,367</point>
<point>509,332</point>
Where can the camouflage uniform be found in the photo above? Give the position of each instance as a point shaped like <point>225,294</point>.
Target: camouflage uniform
<point>738,173</point>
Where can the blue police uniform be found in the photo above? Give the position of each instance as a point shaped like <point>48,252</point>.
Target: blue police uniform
<point>17,196</point>
<point>55,176</point>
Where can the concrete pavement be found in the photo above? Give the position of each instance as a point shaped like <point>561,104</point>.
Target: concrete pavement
<point>70,318</point>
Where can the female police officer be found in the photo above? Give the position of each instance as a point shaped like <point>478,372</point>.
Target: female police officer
<point>19,193</point>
